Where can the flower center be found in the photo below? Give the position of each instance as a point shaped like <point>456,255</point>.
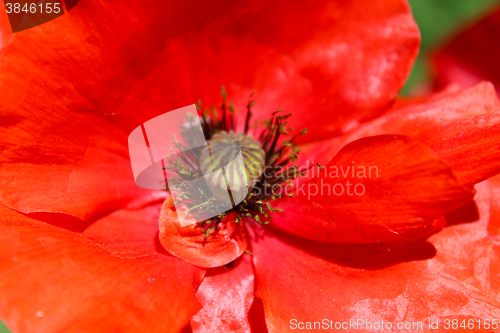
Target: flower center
<point>253,170</point>
<point>233,160</point>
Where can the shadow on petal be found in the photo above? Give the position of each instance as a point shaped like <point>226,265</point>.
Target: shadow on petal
<point>466,214</point>
<point>370,256</point>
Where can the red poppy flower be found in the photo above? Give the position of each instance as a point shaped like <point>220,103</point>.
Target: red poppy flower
<point>84,249</point>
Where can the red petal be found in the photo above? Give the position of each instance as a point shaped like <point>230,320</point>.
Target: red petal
<point>399,187</point>
<point>330,63</point>
<point>453,275</point>
<point>87,60</point>
<point>462,127</point>
<point>57,281</point>
<point>226,295</point>
<point>128,234</point>
<point>190,244</point>
<point>5,29</point>
<point>472,56</point>
<point>494,226</point>
<point>66,163</point>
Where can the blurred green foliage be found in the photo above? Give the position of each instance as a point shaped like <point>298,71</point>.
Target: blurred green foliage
<point>3,329</point>
<point>438,20</point>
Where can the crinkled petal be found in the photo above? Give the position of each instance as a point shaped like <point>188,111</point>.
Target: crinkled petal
<point>53,77</point>
<point>54,280</point>
<point>462,126</point>
<point>89,59</point>
<point>128,234</point>
<point>226,295</point>
<point>376,189</point>
<point>452,275</point>
<point>73,164</point>
<point>189,243</point>
<point>331,64</point>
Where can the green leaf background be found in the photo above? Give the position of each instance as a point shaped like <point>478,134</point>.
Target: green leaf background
<point>438,20</point>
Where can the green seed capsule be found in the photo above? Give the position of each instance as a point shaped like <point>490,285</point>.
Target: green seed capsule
<point>234,160</point>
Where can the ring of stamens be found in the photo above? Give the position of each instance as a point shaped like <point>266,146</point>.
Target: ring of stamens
<point>266,167</point>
